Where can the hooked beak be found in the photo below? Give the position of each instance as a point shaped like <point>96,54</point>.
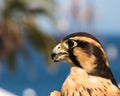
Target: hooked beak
<point>59,53</point>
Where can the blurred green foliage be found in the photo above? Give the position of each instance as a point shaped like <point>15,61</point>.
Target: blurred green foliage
<point>17,25</point>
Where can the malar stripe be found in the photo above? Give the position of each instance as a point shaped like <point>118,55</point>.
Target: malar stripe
<point>74,59</point>
<point>92,41</point>
<point>84,60</point>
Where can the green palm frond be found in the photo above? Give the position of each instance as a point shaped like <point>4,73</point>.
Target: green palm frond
<point>12,28</point>
<point>12,62</point>
<point>40,40</point>
<point>20,5</point>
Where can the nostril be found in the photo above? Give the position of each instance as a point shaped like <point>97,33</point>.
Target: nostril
<point>53,55</point>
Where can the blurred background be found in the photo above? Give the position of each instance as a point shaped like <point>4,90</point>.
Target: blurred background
<point>30,29</point>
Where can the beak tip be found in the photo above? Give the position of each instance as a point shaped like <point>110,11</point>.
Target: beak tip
<point>53,55</point>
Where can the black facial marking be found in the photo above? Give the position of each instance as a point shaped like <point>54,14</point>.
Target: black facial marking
<point>86,46</point>
<point>74,59</point>
<point>70,43</point>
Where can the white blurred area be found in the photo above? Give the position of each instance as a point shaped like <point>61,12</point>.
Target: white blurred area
<point>4,92</point>
<point>26,92</point>
<point>112,52</point>
<point>29,92</point>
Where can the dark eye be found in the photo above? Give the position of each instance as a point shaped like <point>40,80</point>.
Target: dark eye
<point>71,43</point>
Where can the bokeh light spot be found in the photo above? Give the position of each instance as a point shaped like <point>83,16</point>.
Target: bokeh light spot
<point>29,92</point>
<point>112,52</point>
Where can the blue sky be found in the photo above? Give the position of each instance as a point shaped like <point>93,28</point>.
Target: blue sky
<point>107,14</point>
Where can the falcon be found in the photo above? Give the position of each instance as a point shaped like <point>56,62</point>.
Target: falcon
<point>90,73</point>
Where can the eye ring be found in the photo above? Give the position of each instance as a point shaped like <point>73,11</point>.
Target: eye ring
<point>71,43</point>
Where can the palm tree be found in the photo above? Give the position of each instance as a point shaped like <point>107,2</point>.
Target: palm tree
<point>18,26</point>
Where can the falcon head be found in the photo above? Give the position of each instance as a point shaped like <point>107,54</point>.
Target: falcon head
<point>84,51</point>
